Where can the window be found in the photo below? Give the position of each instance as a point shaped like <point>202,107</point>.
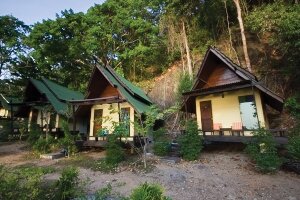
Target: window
<point>248,112</point>
<point>125,119</point>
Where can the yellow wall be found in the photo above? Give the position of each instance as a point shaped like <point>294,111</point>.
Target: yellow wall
<point>112,116</point>
<point>4,113</point>
<point>227,110</point>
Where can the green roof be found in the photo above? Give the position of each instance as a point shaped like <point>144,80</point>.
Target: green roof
<point>4,102</point>
<point>56,94</point>
<point>133,94</point>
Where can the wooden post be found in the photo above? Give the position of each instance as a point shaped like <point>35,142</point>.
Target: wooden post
<point>11,118</point>
<point>119,112</point>
<point>74,120</point>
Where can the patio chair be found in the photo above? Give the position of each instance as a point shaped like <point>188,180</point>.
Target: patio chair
<point>237,128</point>
<point>217,128</point>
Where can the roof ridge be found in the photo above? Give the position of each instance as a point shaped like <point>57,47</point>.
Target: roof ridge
<point>238,67</point>
<point>44,80</point>
<point>3,97</point>
<point>119,79</point>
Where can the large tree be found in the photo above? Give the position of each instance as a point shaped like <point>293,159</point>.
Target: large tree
<point>12,33</point>
<point>125,34</point>
<point>58,50</point>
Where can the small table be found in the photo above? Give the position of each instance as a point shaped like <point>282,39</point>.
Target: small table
<point>222,130</point>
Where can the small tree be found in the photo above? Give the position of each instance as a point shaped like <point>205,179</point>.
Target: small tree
<point>114,151</point>
<point>46,113</point>
<point>191,143</point>
<point>145,127</point>
<point>68,141</point>
<point>148,191</point>
<point>67,187</point>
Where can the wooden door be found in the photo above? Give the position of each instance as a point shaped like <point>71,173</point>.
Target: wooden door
<point>98,114</point>
<point>206,116</point>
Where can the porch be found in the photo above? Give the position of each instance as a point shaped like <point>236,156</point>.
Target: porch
<point>101,142</point>
<point>233,136</point>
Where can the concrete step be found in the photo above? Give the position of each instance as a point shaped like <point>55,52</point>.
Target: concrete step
<point>52,156</point>
<point>170,159</point>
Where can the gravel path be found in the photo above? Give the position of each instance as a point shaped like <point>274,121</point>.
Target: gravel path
<point>216,175</point>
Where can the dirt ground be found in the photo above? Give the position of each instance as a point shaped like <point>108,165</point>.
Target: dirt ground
<point>216,175</point>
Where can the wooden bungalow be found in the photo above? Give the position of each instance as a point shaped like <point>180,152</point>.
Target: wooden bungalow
<point>110,99</point>
<point>227,99</point>
<point>46,102</point>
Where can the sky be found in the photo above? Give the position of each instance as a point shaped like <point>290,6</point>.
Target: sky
<point>32,11</point>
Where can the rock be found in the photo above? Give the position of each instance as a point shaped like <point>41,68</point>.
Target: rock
<point>52,156</point>
<point>172,160</point>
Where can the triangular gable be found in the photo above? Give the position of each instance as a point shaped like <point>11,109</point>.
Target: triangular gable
<point>217,69</point>
<point>105,83</point>
<point>101,86</point>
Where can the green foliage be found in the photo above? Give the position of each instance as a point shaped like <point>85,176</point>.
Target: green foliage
<point>58,49</point>
<point>294,146</point>
<point>263,151</point>
<point>191,143</point>
<point>67,185</point>
<point>293,105</point>
<point>279,22</point>
<point>5,130</point>
<point>43,144</point>
<point>185,84</point>
<point>103,166</point>
<point>68,141</point>
<point>114,152</point>
<point>161,146</point>
<point>148,191</point>
<point>12,33</point>
<point>145,127</point>
<point>34,134</point>
<point>24,183</point>
<point>103,193</point>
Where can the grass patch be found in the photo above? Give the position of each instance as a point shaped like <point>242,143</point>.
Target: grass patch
<point>78,160</point>
<point>30,168</point>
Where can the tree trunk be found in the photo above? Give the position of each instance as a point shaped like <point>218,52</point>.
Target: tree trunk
<point>187,49</point>
<point>229,33</point>
<point>240,19</point>
<point>145,152</point>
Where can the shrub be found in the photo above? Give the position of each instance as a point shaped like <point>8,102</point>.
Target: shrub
<point>34,134</point>
<point>148,192</point>
<point>67,185</point>
<point>294,147</point>
<point>103,193</point>
<point>43,145</point>
<point>22,183</point>
<point>103,166</point>
<point>114,151</point>
<point>68,141</point>
<point>263,151</point>
<point>161,146</point>
<point>191,143</point>
<point>5,130</point>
